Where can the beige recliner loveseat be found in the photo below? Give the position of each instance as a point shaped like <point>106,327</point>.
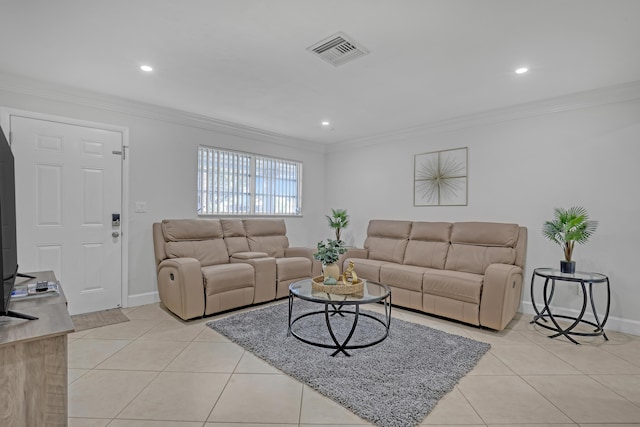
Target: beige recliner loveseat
<point>206,266</point>
<point>468,271</point>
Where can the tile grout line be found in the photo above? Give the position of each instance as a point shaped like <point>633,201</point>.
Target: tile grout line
<point>548,348</point>
<point>470,405</point>
<point>150,382</point>
<point>612,390</point>
<point>545,398</point>
<point>301,402</point>
<point>225,386</point>
<point>537,391</point>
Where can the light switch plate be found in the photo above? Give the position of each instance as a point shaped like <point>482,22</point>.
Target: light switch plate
<point>141,207</point>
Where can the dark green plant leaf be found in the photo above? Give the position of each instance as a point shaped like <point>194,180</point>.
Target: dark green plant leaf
<point>569,226</point>
<point>329,252</point>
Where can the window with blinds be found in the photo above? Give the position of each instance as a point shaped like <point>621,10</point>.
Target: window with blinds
<point>236,183</point>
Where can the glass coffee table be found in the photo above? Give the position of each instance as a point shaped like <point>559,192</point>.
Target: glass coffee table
<point>337,305</point>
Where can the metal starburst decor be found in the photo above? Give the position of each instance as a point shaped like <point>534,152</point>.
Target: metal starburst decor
<point>440,178</point>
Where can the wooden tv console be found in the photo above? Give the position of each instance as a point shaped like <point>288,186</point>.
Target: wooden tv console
<point>33,360</point>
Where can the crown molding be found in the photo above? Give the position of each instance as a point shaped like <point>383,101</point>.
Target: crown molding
<point>576,101</point>
<point>591,98</point>
<point>66,94</point>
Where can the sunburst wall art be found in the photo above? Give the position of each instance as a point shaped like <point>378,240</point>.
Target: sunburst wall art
<point>440,178</point>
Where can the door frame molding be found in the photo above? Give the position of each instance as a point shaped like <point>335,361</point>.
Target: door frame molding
<point>5,120</point>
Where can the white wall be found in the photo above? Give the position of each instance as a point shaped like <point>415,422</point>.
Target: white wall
<point>162,170</point>
<point>519,170</point>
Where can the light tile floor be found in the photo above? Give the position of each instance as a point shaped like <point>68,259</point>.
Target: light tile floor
<point>158,371</point>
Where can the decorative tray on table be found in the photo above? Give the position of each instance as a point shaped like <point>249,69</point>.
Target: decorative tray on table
<point>340,288</point>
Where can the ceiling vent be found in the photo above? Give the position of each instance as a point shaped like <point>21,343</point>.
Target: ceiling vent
<point>338,49</point>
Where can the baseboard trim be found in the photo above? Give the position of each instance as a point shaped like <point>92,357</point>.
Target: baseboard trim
<point>614,323</point>
<point>618,324</point>
<point>143,299</point>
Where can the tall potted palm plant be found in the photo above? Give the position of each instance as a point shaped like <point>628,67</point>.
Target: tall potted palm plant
<point>568,227</point>
<point>338,220</point>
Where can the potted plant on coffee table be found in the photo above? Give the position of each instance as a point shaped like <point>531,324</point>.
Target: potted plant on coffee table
<point>328,254</point>
<point>568,227</point>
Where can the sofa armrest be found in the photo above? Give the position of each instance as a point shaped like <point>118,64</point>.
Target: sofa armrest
<point>249,255</point>
<point>180,287</point>
<point>316,266</point>
<point>351,253</point>
<point>501,293</point>
<point>299,251</point>
<point>265,277</point>
<point>355,253</point>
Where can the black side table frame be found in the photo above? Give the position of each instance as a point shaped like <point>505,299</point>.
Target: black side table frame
<point>583,279</point>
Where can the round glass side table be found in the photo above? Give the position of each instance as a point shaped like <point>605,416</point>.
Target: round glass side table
<point>585,280</point>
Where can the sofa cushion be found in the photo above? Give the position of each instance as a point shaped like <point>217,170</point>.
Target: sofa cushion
<point>266,235</point>
<point>476,259</point>
<point>387,240</point>
<point>221,278</point>
<point>431,231</point>
<point>476,245</point>
<point>175,230</point>
<point>389,228</point>
<point>456,285</point>
<point>428,244</point>
<point>234,236</point>
<point>402,276</point>
<point>292,268</point>
<point>195,238</point>
<point>384,249</point>
<point>264,227</point>
<point>208,252</point>
<point>426,254</point>
<point>368,269</point>
<point>236,245</point>
<point>485,234</point>
<point>249,255</point>
<point>232,228</point>
<point>272,245</point>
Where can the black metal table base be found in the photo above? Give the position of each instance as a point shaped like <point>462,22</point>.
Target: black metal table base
<point>546,313</point>
<point>338,309</point>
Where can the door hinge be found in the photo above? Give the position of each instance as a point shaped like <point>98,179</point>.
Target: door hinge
<point>122,153</point>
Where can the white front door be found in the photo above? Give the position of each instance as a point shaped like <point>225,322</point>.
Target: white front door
<point>68,185</point>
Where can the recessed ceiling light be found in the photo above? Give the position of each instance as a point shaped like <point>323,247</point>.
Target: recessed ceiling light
<point>146,68</point>
<point>522,70</point>
<point>325,123</point>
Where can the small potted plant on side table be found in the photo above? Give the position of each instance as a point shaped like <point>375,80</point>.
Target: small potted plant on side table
<point>568,227</point>
<point>328,253</point>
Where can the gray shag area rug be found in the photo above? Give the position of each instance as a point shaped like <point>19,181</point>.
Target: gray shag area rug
<point>395,383</point>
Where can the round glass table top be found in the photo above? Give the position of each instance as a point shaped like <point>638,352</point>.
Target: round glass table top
<point>372,292</point>
<point>578,276</point>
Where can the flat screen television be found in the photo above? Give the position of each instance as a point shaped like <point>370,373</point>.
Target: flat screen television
<point>9,254</point>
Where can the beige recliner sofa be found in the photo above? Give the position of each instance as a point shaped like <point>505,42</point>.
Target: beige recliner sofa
<point>206,266</point>
<point>468,271</point>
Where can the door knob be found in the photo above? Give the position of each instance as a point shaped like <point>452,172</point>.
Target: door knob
<point>115,234</point>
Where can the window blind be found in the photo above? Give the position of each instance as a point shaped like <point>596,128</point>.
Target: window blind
<point>236,183</point>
